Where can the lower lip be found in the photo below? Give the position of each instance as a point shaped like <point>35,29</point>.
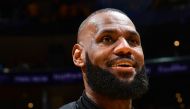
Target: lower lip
<point>129,70</point>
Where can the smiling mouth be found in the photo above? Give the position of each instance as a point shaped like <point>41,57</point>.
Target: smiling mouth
<point>123,67</point>
<point>122,64</point>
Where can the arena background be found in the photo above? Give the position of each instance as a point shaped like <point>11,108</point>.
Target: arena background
<point>36,38</point>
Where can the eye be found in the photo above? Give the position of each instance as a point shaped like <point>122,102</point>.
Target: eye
<point>134,42</point>
<point>107,39</point>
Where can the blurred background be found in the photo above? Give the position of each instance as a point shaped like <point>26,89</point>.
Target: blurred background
<point>36,38</point>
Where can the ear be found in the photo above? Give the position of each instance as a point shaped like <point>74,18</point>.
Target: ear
<point>78,56</point>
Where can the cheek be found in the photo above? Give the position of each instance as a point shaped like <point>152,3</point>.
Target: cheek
<point>99,56</point>
<point>139,56</point>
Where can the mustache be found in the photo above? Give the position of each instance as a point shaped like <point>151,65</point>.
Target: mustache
<point>128,59</point>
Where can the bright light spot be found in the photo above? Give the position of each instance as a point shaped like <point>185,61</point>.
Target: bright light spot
<point>6,70</point>
<point>179,100</point>
<point>30,105</point>
<point>176,43</point>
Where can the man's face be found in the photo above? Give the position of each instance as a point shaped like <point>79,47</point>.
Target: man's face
<point>112,45</point>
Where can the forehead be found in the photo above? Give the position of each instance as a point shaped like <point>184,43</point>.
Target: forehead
<point>105,20</point>
<point>110,17</point>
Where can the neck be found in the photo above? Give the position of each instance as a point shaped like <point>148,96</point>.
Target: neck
<point>107,103</point>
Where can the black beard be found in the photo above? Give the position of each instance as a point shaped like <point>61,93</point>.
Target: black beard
<point>106,84</point>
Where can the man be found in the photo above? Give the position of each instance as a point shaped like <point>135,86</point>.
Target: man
<point>111,58</point>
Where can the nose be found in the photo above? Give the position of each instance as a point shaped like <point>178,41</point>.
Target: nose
<point>123,48</point>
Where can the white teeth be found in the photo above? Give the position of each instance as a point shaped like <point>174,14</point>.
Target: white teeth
<point>122,64</point>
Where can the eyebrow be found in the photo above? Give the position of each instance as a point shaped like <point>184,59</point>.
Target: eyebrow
<point>115,31</point>
<point>107,31</point>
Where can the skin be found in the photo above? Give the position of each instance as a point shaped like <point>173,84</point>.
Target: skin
<point>104,37</point>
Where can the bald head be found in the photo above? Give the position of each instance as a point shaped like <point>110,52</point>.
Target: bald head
<point>103,16</point>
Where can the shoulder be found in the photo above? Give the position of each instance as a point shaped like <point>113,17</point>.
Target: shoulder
<point>71,105</point>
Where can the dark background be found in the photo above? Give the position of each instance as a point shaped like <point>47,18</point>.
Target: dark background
<point>36,39</point>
